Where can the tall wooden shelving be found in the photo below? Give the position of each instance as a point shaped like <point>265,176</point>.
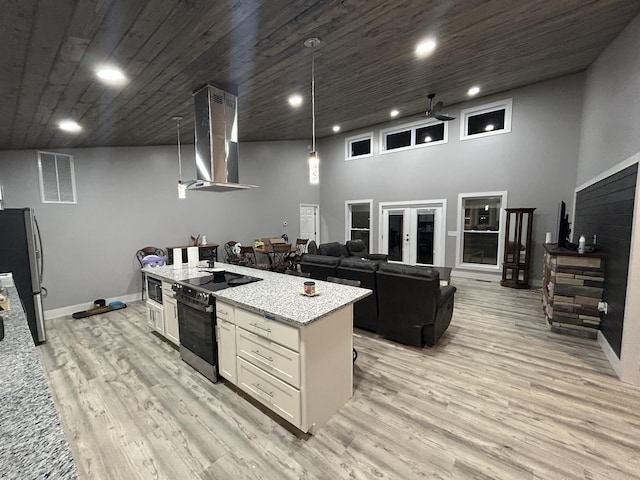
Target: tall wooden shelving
<point>517,248</point>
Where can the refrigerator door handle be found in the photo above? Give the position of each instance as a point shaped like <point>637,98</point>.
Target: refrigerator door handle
<point>40,250</point>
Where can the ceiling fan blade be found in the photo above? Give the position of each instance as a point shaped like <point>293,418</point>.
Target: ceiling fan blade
<point>444,118</point>
<point>437,107</point>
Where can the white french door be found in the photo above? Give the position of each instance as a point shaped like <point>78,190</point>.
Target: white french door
<point>413,234</point>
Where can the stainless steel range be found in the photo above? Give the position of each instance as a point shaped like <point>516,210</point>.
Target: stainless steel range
<point>197,318</point>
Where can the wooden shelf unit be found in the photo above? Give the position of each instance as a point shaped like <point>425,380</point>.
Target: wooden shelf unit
<point>517,248</point>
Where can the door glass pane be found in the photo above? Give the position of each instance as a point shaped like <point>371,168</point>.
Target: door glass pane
<point>424,246</point>
<point>396,226</point>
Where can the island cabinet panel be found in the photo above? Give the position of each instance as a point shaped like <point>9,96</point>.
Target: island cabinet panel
<point>302,373</point>
<point>275,359</point>
<point>226,336</point>
<point>278,332</point>
<point>280,397</point>
<point>226,312</point>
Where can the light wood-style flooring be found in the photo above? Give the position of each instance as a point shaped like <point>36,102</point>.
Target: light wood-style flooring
<point>500,397</point>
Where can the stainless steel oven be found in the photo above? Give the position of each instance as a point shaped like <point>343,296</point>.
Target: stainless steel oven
<point>197,318</point>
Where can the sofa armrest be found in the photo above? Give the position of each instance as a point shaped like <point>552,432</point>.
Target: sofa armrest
<point>446,294</point>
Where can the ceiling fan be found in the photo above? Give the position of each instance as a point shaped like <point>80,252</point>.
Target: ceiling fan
<point>434,110</point>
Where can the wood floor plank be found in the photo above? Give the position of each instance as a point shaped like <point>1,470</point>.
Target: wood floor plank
<point>500,397</point>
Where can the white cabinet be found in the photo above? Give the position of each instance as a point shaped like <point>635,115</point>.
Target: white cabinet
<point>171,330</point>
<point>304,374</point>
<point>226,334</point>
<point>155,316</point>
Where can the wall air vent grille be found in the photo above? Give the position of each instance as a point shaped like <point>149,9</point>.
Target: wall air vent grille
<point>57,178</point>
<point>217,99</point>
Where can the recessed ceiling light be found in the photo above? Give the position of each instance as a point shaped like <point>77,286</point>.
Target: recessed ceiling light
<point>295,100</point>
<point>69,126</point>
<point>111,75</point>
<point>473,91</point>
<point>336,128</point>
<point>489,127</point>
<point>425,47</point>
<point>394,113</point>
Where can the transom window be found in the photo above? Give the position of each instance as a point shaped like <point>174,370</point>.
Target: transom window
<point>419,134</point>
<point>359,146</point>
<point>485,120</point>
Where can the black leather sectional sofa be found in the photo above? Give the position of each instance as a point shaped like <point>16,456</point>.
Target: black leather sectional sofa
<point>408,304</point>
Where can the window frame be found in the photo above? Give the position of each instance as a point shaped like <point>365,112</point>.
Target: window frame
<point>460,263</point>
<point>506,105</point>
<point>413,126</point>
<point>72,174</point>
<point>348,219</point>
<point>357,138</point>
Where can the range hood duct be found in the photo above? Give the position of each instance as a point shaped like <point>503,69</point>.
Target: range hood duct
<point>216,118</point>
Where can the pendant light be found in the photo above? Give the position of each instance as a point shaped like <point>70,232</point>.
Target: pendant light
<point>182,188</point>
<point>314,160</point>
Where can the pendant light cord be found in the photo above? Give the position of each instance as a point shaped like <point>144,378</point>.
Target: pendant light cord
<point>177,119</point>
<point>313,101</point>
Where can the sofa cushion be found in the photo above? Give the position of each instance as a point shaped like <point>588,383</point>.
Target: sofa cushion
<point>333,249</point>
<point>358,264</point>
<point>321,260</point>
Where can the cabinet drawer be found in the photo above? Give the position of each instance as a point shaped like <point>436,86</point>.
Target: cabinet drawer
<point>275,394</point>
<point>275,331</point>
<point>225,311</point>
<point>275,359</point>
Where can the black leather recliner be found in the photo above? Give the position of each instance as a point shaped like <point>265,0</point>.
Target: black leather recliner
<point>365,311</point>
<point>319,266</point>
<point>412,306</point>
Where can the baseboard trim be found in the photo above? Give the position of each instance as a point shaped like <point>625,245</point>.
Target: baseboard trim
<point>610,354</point>
<point>64,311</point>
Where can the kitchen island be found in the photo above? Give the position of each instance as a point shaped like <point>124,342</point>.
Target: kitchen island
<point>33,443</point>
<point>290,352</point>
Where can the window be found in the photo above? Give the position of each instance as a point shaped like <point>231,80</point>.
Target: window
<point>57,178</point>
<point>480,231</point>
<point>358,221</point>
<point>419,134</point>
<point>359,146</point>
<point>485,120</point>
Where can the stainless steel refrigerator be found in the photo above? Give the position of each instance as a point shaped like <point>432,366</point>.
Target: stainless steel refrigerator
<point>21,254</point>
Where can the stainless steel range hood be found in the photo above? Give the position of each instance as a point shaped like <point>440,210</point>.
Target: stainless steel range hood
<point>216,117</point>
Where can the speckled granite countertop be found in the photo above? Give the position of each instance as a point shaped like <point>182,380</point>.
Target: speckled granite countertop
<point>33,443</point>
<point>278,295</point>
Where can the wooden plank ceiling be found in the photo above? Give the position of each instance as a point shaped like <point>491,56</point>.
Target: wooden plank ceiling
<point>365,66</point>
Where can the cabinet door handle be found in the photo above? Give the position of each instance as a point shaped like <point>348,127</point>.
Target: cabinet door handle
<point>270,359</point>
<point>258,387</point>
<point>268,330</point>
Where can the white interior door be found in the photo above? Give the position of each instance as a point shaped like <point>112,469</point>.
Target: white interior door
<point>413,235</point>
<point>310,222</point>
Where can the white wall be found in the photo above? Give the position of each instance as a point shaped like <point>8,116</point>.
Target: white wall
<point>536,163</point>
<point>610,136</point>
<point>127,199</point>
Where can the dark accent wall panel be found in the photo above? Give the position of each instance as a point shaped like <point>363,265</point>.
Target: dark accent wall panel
<point>605,209</point>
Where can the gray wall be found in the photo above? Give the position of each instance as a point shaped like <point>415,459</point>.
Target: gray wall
<point>127,199</point>
<point>611,106</point>
<point>610,135</point>
<point>536,163</point>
